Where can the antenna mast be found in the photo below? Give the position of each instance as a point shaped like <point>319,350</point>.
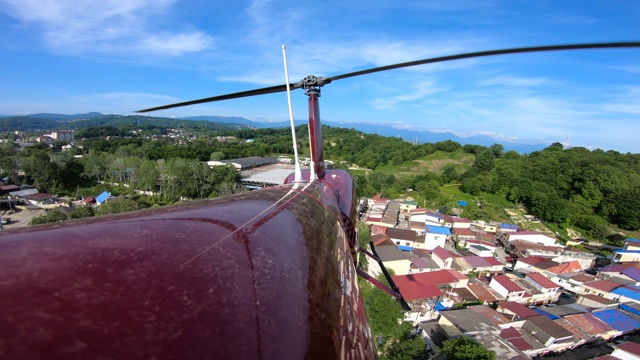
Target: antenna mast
<point>298,172</point>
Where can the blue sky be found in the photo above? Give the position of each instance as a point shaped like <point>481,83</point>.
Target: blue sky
<point>113,56</point>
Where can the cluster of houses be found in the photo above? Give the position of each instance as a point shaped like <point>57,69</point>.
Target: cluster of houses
<point>519,293</point>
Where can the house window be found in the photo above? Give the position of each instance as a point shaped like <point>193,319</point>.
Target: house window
<point>408,243</point>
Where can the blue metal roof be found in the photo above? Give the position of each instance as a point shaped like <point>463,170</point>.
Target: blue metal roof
<point>632,240</point>
<point>542,312</point>
<point>102,197</point>
<point>438,230</point>
<point>405,248</point>
<point>509,226</point>
<point>630,291</point>
<point>627,251</point>
<point>616,319</point>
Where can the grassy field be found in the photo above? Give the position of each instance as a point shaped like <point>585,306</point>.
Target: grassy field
<point>434,163</point>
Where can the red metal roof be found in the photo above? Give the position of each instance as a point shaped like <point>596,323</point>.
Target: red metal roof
<point>604,285</point>
<point>509,333</point>
<point>507,283</point>
<point>492,261</point>
<point>520,310</point>
<point>441,253</point>
<point>521,344</point>
<point>630,347</point>
<point>424,285</point>
<point>543,281</point>
<point>401,234</point>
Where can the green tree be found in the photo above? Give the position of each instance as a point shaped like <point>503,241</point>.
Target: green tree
<point>117,206</point>
<point>408,347</point>
<point>383,311</point>
<point>484,162</point>
<point>465,348</point>
<point>82,212</point>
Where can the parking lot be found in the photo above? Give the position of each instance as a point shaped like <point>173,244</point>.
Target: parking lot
<point>20,218</point>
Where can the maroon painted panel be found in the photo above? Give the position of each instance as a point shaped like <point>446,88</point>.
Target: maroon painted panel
<point>260,275</point>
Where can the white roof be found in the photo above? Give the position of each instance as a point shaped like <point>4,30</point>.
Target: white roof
<point>274,177</point>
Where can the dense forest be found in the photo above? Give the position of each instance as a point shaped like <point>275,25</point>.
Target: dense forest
<point>596,192</point>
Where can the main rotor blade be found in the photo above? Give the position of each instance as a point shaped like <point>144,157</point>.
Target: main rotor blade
<point>489,53</point>
<point>283,87</point>
<point>263,91</point>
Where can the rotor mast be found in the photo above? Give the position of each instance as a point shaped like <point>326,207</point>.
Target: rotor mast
<point>311,85</point>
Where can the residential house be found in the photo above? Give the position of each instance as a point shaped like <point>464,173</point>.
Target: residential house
<point>523,248</point>
<point>483,292</point>
<point>405,239</point>
<point>381,240</point>
<point>530,236</point>
<point>376,198</point>
<point>421,263</point>
<point>422,290</point>
<point>434,219</point>
<point>418,215</point>
<point>436,236</point>
<point>467,243</point>
<point>624,273</point>
<point>480,265</point>
<point>462,234</point>
<point>406,206</point>
<point>416,283</point>
<point>527,263</point>
<point>586,328</point>
<point>572,281</point>
<point>418,227</point>
<point>550,291</point>
<point>480,250</point>
<point>601,288</point>
<point>485,326</point>
<point>551,334</point>
<point>622,256</point>
<point>627,293</point>
<point>6,189</point>
<point>491,226</point>
<point>461,223</point>
<point>375,219</point>
<point>103,197</point>
<point>442,257</point>
<point>515,311</point>
<point>507,288</point>
<point>624,324</point>
<point>586,260</point>
<point>549,267</point>
<point>629,253</point>
<point>596,301</point>
<point>394,259</point>
<point>39,199</point>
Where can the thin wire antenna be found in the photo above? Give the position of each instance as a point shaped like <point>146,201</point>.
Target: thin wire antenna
<point>298,172</point>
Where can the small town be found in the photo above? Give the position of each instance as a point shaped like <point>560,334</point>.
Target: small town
<point>519,293</point>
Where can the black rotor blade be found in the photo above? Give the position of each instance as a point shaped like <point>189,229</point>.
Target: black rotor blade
<point>489,53</point>
<point>281,88</point>
<point>263,91</point>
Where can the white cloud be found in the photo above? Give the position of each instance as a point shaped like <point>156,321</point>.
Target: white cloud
<point>111,26</point>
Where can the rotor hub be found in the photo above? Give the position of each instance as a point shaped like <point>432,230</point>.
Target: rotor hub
<point>312,84</point>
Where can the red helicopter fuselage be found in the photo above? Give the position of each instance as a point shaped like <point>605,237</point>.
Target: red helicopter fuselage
<point>267,274</point>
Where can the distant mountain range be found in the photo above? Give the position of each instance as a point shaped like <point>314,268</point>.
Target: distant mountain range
<point>46,120</point>
<point>385,130</point>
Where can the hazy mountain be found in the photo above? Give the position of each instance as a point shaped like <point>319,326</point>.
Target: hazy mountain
<point>385,130</point>
<point>45,120</point>
<point>63,117</point>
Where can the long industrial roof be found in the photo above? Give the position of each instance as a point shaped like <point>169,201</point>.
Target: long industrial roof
<point>272,177</point>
